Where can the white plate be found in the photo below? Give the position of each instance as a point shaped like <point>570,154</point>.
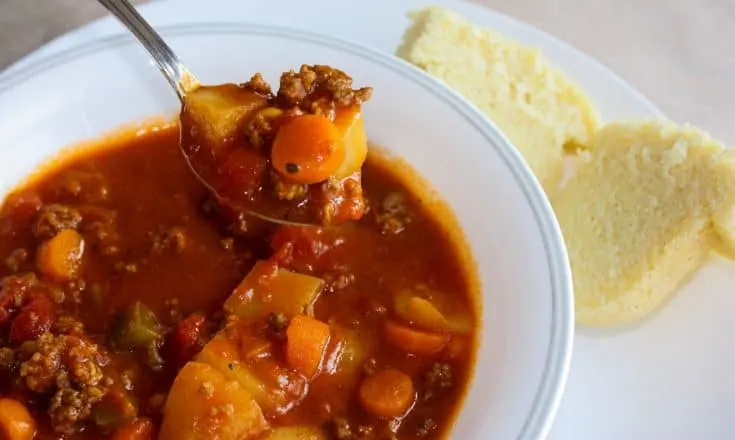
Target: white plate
<point>668,378</point>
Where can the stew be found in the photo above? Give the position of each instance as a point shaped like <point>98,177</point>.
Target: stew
<point>134,306</point>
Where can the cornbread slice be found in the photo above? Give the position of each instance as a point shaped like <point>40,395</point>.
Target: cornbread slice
<point>536,105</point>
<point>641,214</point>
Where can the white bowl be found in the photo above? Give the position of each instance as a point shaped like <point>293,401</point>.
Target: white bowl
<point>527,312</point>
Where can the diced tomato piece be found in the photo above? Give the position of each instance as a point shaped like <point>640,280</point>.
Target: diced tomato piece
<point>13,290</point>
<point>189,337</point>
<point>116,409</point>
<point>6,306</point>
<point>36,317</point>
<point>241,173</point>
<point>304,244</point>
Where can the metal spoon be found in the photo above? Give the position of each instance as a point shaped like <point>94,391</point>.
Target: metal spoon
<point>179,77</point>
<point>176,73</point>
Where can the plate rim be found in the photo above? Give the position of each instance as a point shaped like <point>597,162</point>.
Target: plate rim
<point>538,422</point>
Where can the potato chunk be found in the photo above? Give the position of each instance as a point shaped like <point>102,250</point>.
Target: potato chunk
<point>204,405</point>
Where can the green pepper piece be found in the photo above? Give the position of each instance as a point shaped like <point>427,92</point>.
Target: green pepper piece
<point>137,326</point>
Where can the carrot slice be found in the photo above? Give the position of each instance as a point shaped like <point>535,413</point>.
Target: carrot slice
<point>307,149</point>
<point>306,344</point>
<point>61,256</point>
<point>415,341</point>
<point>16,423</point>
<point>387,393</point>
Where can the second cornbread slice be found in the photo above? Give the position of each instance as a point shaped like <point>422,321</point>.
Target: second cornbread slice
<point>641,214</point>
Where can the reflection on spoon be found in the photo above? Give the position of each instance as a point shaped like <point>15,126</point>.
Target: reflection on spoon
<point>290,156</point>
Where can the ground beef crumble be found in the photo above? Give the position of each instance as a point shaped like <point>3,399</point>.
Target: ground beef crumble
<point>260,129</point>
<point>16,259</point>
<point>277,323</point>
<point>7,359</point>
<point>70,369</point>
<point>333,193</point>
<point>13,291</point>
<point>320,89</point>
<point>425,426</point>
<point>68,325</point>
<point>54,218</point>
<point>258,84</point>
<point>438,377</point>
<point>173,238</point>
<point>340,429</point>
<point>393,214</point>
<point>100,227</point>
<point>287,190</point>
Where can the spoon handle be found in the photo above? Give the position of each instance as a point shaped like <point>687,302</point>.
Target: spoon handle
<point>180,78</point>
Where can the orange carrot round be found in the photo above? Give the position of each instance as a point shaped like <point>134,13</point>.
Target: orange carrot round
<point>307,149</point>
<point>413,340</point>
<point>387,393</point>
<point>61,256</point>
<point>16,423</point>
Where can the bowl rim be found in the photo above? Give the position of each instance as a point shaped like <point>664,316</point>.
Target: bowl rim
<point>548,396</point>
